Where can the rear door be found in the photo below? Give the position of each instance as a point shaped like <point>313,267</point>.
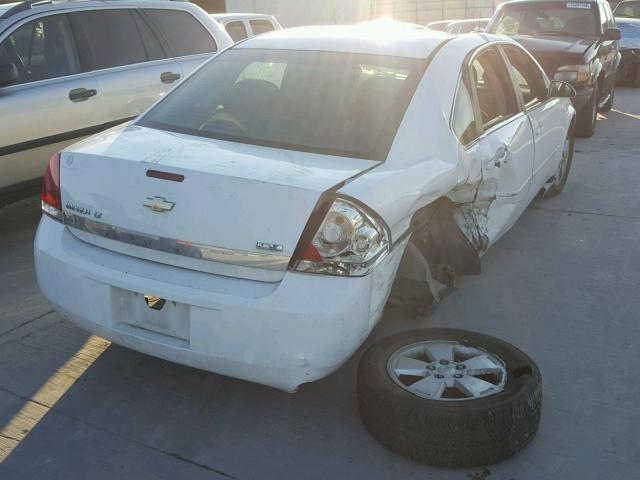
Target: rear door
<point>547,120</point>
<point>52,104</point>
<point>131,68</point>
<point>506,147</point>
<point>187,40</point>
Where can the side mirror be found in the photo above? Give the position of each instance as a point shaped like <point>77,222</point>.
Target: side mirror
<point>559,89</point>
<point>8,74</point>
<point>612,34</point>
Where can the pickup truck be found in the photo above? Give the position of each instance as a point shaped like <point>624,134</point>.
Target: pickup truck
<point>573,41</point>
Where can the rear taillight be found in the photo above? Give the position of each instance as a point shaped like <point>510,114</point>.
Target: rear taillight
<point>50,198</point>
<point>349,242</point>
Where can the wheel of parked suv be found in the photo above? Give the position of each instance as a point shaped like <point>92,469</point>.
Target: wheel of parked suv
<point>586,122</point>
<point>449,397</point>
<point>560,178</point>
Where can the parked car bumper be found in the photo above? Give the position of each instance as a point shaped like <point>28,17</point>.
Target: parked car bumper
<point>279,334</point>
<point>583,95</point>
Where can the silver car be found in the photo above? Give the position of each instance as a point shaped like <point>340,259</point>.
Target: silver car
<point>72,69</point>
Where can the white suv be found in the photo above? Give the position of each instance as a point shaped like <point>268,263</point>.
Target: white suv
<point>72,69</point>
<point>245,25</point>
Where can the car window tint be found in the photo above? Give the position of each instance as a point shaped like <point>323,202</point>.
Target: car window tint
<point>236,31</point>
<point>112,36</point>
<point>324,102</point>
<point>494,89</point>
<point>182,31</point>
<point>529,78</point>
<point>464,119</point>
<point>41,49</point>
<point>536,18</point>
<point>151,41</point>
<point>261,26</point>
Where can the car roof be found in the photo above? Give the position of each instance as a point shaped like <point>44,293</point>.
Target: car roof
<point>469,20</point>
<point>239,16</point>
<point>377,37</point>
<point>6,6</point>
<point>49,6</point>
<point>512,2</point>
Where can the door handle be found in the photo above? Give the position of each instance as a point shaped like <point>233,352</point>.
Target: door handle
<point>500,157</point>
<point>82,94</point>
<point>537,127</point>
<point>169,77</point>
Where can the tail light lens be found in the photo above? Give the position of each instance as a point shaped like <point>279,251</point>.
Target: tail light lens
<point>349,242</point>
<point>50,198</point>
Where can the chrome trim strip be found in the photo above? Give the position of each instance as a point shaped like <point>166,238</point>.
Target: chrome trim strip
<point>178,247</point>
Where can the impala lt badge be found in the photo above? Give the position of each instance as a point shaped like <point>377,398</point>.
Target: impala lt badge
<point>158,204</point>
<point>274,247</point>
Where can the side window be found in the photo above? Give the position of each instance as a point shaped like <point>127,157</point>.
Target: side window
<point>529,78</point>
<point>152,43</point>
<point>492,83</point>
<point>464,120</point>
<point>112,37</point>
<point>41,49</point>
<point>184,34</point>
<point>236,31</point>
<point>261,26</point>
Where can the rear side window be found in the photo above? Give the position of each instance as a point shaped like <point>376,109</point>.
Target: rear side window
<point>112,36</point>
<point>41,49</point>
<point>236,31</point>
<point>464,118</point>
<point>496,97</point>
<point>261,26</point>
<point>184,34</point>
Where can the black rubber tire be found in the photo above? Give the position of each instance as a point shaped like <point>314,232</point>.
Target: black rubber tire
<point>465,433</point>
<point>556,188</point>
<point>586,121</point>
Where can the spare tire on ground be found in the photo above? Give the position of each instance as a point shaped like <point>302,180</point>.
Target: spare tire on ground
<point>449,397</point>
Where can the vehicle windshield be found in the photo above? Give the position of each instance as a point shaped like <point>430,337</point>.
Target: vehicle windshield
<point>575,19</point>
<point>628,10</point>
<point>323,102</point>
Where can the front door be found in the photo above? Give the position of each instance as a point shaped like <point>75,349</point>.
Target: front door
<point>547,120</point>
<point>506,146</point>
<point>52,104</point>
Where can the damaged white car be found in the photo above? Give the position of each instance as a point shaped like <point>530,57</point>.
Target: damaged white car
<point>252,222</point>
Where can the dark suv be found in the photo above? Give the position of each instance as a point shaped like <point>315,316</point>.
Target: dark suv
<point>576,42</point>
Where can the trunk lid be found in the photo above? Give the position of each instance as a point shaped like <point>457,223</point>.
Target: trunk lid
<point>239,211</point>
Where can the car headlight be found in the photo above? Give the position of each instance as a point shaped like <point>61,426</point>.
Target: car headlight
<point>573,73</point>
<point>349,242</point>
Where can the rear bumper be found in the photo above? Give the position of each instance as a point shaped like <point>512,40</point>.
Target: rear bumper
<point>278,334</point>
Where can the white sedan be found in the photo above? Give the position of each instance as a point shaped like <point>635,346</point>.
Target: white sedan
<point>252,222</point>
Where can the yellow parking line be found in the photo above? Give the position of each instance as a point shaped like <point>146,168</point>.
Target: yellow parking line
<point>14,432</point>
<point>632,115</point>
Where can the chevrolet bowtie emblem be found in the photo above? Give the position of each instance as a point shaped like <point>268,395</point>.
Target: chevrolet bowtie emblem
<point>158,204</point>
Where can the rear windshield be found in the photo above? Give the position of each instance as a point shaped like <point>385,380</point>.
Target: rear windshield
<point>578,19</point>
<point>324,102</point>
